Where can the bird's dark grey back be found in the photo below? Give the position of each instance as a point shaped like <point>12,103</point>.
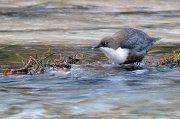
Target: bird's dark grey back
<point>136,40</point>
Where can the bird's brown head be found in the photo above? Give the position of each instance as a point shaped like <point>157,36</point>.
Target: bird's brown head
<point>106,42</point>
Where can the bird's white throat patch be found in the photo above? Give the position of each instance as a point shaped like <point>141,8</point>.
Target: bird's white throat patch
<point>117,56</point>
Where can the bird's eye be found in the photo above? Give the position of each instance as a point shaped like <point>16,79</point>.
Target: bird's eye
<point>104,44</point>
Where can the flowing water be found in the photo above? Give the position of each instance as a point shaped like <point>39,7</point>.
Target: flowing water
<point>94,88</point>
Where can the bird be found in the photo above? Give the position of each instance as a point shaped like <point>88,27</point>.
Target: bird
<point>127,46</point>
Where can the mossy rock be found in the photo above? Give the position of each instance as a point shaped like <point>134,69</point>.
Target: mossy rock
<point>171,59</point>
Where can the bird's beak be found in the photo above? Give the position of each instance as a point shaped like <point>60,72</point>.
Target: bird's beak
<point>95,47</point>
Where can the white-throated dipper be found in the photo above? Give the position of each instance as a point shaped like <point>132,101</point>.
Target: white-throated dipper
<point>126,46</point>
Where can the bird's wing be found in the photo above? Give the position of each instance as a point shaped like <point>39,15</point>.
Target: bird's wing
<point>137,40</point>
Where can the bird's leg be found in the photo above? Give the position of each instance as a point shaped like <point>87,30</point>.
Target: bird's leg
<point>137,64</point>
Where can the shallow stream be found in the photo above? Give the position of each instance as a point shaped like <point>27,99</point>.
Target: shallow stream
<point>94,88</point>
